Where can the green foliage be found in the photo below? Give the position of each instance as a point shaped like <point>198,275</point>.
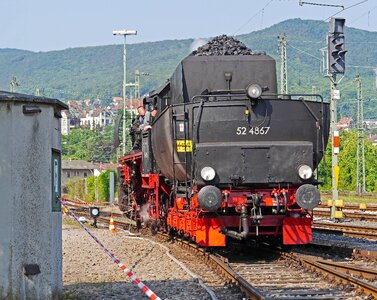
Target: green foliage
<point>92,188</point>
<point>98,188</point>
<point>347,164</point>
<point>90,145</point>
<point>91,72</point>
<point>324,169</point>
<point>75,189</point>
<point>104,185</point>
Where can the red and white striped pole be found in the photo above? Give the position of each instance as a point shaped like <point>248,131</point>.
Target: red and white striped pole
<point>336,142</point>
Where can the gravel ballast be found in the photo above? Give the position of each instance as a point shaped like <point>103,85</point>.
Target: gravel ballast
<point>89,273</point>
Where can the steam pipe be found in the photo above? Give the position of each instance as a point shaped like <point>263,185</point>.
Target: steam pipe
<point>245,227</point>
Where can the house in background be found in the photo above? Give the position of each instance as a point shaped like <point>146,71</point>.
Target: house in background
<point>77,169</point>
<point>345,124</point>
<point>97,118</point>
<point>65,122</point>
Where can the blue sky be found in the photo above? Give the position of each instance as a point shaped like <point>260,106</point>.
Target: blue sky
<point>43,25</point>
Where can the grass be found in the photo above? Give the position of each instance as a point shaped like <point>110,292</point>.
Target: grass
<point>70,222</point>
<point>351,197</point>
<point>71,295</point>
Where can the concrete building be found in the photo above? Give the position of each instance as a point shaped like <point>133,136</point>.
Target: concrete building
<point>370,124</point>
<point>345,124</point>
<point>77,169</point>
<point>30,214</point>
<point>65,122</point>
<point>97,118</point>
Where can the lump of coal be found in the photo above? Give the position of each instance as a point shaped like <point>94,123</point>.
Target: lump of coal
<point>222,45</point>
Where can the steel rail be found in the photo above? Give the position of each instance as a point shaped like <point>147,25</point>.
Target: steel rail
<point>325,268</point>
<point>225,269</point>
<point>337,270</point>
<point>353,207</point>
<point>355,270</point>
<point>349,230</point>
<point>348,215</point>
<point>365,287</point>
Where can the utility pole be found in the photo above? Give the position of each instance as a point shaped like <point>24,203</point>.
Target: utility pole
<point>137,82</point>
<point>335,136</point>
<point>375,76</point>
<point>283,64</point>
<point>314,91</point>
<point>336,65</point>
<point>124,33</point>
<point>13,84</point>
<point>360,150</point>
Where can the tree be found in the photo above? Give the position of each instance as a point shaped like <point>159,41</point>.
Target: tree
<point>347,164</point>
<point>90,145</point>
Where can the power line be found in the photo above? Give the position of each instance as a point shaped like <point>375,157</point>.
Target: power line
<point>313,56</point>
<point>303,51</point>
<point>249,20</point>
<point>362,15</point>
<point>320,41</point>
<point>361,2</point>
<point>361,67</point>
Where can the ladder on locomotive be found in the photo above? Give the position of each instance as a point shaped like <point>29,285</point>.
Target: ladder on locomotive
<point>181,190</point>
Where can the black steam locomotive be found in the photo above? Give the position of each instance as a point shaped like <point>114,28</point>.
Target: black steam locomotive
<point>227,155</point>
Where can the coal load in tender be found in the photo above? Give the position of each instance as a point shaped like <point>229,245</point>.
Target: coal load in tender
<point>222,45</point>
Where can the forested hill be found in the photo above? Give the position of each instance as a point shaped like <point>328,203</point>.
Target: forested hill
<point>89,72</point>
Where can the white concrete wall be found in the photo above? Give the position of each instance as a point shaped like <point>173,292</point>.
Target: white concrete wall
<point>30,233</point>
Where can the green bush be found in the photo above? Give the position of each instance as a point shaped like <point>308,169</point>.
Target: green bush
<point>100,186</point>
<point>347,164</point>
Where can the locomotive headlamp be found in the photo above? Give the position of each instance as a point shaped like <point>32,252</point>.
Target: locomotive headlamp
<point>254,91</point>
<point>305,172</point>
<point>208,173</point>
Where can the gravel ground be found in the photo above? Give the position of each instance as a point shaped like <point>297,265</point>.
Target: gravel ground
<point>89,273</point>
<point>348,222</point>
<point>345,241</point>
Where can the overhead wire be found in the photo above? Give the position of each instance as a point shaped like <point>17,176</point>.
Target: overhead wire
<point>362,15</point>
<point>313,56</point>
<point>303,51</point>
<point>251,18</point>
<point>346,8</point>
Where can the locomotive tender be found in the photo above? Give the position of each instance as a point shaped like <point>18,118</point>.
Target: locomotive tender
<point>227,155</point>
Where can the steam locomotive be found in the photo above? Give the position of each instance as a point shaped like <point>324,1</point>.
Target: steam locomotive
<point>227,156</point>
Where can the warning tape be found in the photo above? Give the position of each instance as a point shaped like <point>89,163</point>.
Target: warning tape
<point>146,290</point>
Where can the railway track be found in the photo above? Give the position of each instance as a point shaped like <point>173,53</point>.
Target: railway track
<point>348,215</point>
<point>364,232</point>
<point>352,206</point>
<point>282,275</point>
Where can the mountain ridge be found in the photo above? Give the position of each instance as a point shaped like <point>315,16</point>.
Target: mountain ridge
<point>96,71</point>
